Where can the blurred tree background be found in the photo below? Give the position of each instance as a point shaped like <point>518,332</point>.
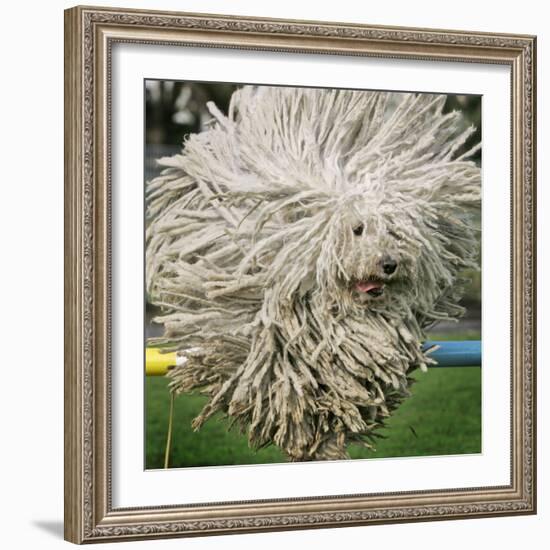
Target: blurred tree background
<point>174,109</point>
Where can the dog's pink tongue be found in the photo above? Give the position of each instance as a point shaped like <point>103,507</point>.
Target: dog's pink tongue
<point>366,286</point>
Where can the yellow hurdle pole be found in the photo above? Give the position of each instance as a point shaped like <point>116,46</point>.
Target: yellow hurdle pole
<point>158,363</point>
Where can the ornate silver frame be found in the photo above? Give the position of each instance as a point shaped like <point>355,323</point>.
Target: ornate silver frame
<point>89,35</point>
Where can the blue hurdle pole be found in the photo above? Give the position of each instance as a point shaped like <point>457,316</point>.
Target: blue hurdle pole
<point>456,354</point>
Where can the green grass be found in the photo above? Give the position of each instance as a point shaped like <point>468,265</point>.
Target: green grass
<point>442,417</point>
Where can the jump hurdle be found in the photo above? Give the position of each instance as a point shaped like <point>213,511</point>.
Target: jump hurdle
<point>448,354</point>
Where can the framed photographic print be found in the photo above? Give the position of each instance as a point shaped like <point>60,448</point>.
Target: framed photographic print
<point>299,274</point>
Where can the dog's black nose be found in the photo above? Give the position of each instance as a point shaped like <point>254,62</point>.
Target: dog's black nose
<point>389,265</point>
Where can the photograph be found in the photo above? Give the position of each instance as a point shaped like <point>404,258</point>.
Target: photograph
<point>312,274</point>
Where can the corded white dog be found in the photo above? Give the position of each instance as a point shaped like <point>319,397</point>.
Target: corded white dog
<point>299,247</point>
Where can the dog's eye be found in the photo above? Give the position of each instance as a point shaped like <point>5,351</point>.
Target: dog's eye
<point>358,229</point>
